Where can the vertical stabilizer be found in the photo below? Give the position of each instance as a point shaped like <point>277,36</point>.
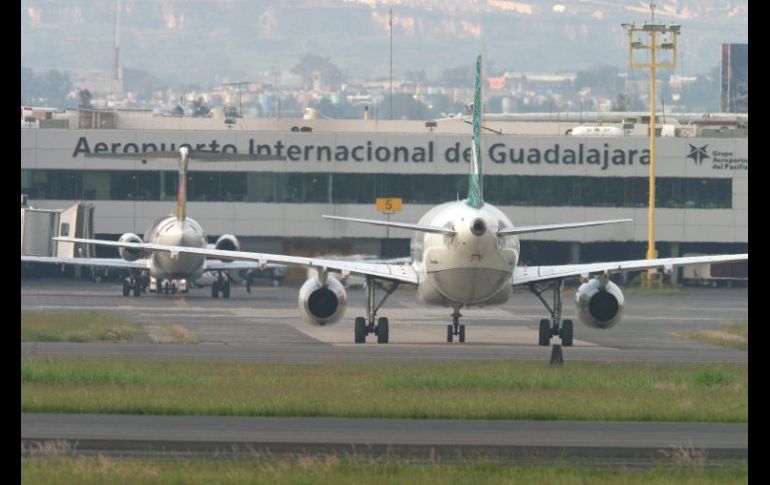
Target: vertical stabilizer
<point>181,193</point>
<point>476,180</point>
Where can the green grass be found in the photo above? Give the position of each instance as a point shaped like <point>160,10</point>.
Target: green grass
<point>468,390</point>
<point>654,291</point>
<point>331,469</point>
<point>735,336</point>
<point>76,327</point>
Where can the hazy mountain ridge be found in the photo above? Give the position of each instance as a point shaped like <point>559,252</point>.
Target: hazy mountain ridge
<point>208,41</point>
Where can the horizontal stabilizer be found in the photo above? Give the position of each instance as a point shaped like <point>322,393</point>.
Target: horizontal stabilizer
<point>196,155</point>
<point>515,231</point>
<point>399,225</point>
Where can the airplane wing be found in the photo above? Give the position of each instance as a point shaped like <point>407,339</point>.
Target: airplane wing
<point>101,262</point>
<point>403,273</point>
<point>219,265</point>
<point>533,274</point>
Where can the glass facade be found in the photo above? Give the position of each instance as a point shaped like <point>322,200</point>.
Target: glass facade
<point>358,188</point>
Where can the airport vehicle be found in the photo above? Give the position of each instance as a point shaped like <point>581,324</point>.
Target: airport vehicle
<point>169,269</point>
<point>726,274</point>
<point>463,254</point>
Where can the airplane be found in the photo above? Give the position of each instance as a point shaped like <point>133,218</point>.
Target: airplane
<point>172,271</point>
<point>464,254</point>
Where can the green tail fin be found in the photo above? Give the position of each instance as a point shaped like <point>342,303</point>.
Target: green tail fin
<point>181,193</point>
<point>476,179</point>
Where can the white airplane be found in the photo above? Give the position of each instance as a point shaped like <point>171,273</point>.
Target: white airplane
<point>176,230</point>
<point>464,254</point>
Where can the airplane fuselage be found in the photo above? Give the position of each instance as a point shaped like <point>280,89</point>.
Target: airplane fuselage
<point>472,267</point>
<point>171,231</point>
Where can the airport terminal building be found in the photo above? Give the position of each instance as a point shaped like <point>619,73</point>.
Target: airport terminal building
<point>535,171</point>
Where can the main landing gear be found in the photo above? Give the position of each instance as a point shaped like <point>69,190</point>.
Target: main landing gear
<point>221,285</point>
<point>365,326</point>
<point>555,326</point>
<point>167,286</point>
<point>455,328</point>
<point>132,283</point>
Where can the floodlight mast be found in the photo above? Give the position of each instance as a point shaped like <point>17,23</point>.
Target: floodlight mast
<point>653,46</point>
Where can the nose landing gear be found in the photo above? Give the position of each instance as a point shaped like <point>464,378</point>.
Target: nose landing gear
<point>455,328</point>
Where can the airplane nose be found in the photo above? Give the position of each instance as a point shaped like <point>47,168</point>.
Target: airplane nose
<point>478,227</point>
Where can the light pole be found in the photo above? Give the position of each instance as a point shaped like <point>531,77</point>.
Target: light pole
<point>665,41</point>
<point>390,24</point>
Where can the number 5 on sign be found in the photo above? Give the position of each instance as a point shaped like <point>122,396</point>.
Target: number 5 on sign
<point>389,204</point>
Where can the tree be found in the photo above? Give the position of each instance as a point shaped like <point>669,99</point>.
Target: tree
<point>341,110</point>
<point>458,76</point>
<point>621,103</point>
<point>85,99</point>
<point>601,80</point>
<point>405,107</point>
<point>311,63</point>
<point>142,83</point>
<point>704,93</point>
<point>199,109</point>
<point>48,89</point>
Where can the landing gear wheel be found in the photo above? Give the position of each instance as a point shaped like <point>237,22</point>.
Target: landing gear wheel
<point>126,287</point>
<point>545,333</point>
<point>215,289</point>
<point>137,287</point>
<point>566,333</point>
<point>226,290</point>
<point>382,330</point>
<point>462,333</point>
<point>173,288</point>
<point>449,333</point>
<point>360,330</point>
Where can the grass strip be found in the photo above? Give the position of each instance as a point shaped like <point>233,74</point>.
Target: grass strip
<point>90,326</point>
<point>655,291</point>
<point>735,336</point>
<point>471,390</point>
<point>331,469</point>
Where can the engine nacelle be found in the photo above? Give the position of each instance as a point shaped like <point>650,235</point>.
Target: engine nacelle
<point>227,242</point>
<point>130,254</point>
<point>599,305</point>
<point>322,304</point>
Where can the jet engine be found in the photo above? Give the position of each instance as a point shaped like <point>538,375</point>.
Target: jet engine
<point>227,242</point>
<point>599,303</point>
<point>130,254</point>
<point>322,304</point>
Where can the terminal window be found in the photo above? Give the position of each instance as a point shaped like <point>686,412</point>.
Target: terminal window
<point>352,188</point>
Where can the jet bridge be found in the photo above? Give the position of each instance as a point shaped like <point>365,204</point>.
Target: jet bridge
<point>39,226</point>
